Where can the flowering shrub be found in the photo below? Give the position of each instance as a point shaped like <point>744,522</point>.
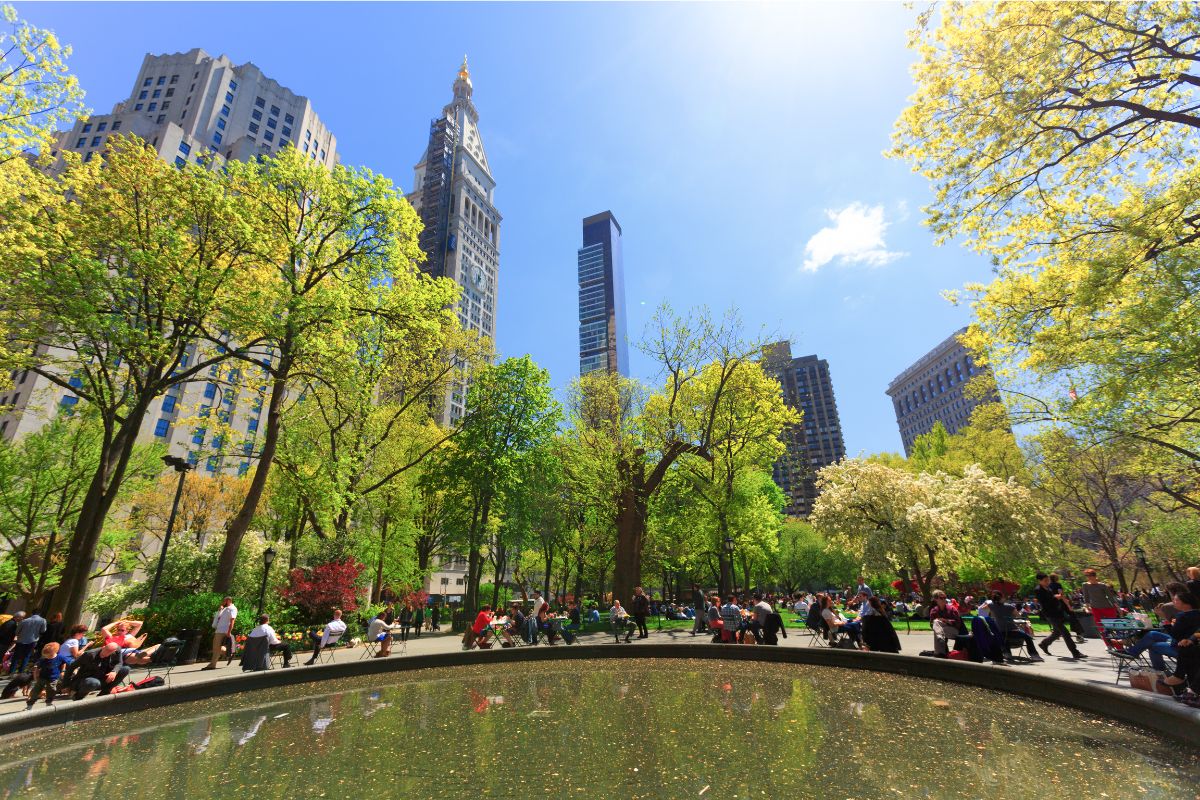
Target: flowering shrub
<point>318,591</point>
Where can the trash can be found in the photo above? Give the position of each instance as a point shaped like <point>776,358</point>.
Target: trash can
<point>191,651</point>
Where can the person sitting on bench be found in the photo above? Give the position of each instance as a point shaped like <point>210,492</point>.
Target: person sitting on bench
<point>620,620</point>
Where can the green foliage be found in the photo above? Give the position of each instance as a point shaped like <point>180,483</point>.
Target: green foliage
<point>191,611</point>
<point>807,561</point>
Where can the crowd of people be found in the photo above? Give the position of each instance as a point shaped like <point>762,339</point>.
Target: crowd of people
<point>46,660</point>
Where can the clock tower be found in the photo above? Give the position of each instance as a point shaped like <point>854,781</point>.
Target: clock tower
<point>453,192</point>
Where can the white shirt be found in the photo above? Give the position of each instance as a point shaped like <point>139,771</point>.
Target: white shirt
<point>538,602</point>
<point>801,607</point>
<point>333,629</point>
<point>265,630</point>
<point>618,612</point>
<point>223,619</point>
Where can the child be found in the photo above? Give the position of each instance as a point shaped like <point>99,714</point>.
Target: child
<point>46,673</point>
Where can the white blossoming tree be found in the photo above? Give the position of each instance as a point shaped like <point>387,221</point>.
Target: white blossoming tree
<point>925,524</point>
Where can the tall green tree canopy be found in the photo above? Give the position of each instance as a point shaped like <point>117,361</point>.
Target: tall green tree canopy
<point>1061,139</point>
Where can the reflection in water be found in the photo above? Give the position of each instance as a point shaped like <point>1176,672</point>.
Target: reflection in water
<point>628,729</point>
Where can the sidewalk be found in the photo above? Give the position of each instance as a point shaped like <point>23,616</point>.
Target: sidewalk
<point>1097,669</point>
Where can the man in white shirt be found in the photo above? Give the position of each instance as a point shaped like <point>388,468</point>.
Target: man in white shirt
<point>332,633</point>
<point>620,620</point>
<point>274,643</point>
<point>222,626</point>
<point>531,635</point>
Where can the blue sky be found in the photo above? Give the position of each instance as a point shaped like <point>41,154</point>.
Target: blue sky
<point>738,145</point>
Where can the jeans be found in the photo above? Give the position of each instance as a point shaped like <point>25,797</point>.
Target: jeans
<point>1058,627</point>
<point>42,683</point>
<point>531,630</point>
<point>1159,644</point>
<point>20,657</point>
<point>88,685</point>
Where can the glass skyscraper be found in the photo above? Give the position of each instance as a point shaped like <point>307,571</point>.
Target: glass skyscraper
<point>602,342</point>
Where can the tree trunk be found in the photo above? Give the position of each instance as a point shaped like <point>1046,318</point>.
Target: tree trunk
<point>579,581</point>
<point>549,554</point>
<point>378,587</point>
<point>100,496</point>
<point>240,524</point>
<point>631,534</point>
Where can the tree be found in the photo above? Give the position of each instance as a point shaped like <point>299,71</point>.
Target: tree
<point>986,441</point>
<point>513,417</point>
<point>325,587</point>
<point>1095,493</point>
<point>920,526</point>
<point>37,93</point>
<point>805,560</point>
<point>130,276</point>
<point>1060,140</point>
<point>339,250</point>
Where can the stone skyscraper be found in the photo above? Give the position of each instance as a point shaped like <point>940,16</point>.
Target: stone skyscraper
<point>817,442</point>
<point>602,297</point>
<point>453,192</point>
<point>191,108</point>
<point>931,390</point>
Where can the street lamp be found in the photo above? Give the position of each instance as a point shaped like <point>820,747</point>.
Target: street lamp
<point>1141,556</point>
<point>727,546</point>
<point>181,466</point>
<point>268,557</point>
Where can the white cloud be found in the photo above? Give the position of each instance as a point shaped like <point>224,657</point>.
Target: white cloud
<point>855,237</point>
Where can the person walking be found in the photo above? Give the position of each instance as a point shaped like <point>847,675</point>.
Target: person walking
<point>1054,611</point>
<point>29,631</point>
<point>701,622</point>
<point>1071,620</point>
<point>640,608</point>
<point>435,617</point>
<point>1099,597</point>
<point>222,626</point>
<point>405,619</point>
<point>418,618</point>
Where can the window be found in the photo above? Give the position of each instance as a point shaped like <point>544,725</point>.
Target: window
<point>253,128</point>
<point>96,141</point>
<point>148,81</point>
<point>161,119</point>
<point>252,425</point>
<point>87,128</point>
<point>217,138</point>
<point>287,131</point>
<point>116,125</point>
<point>174,79</point>
<point>307,135</point>
<point>180,162</point>
<point>101,127</point>
<point>211,464</point>
<point>225,111</point>
<point>162,79</point>
<point>289,119</point>
<point>306,147</point>
<point>152,107</point>
<point>138,107</point>
<point>260,103</point>
<point>271,123</point>
<point>81,141</point>
<point>275,111</point>
<point>157,94</point>
<point>166,104</point>
<point>229,97</point>
<point>162,426</point>
<point>184,114</point>
<point>233,86</point>
<point>270,137</point>
<point>210,391</point>
<point>68,401</point>
<point>170,92</point>
<point>221,124</point>
<point>256,115</point>
<point>142,95</point>
<point>322,155</point>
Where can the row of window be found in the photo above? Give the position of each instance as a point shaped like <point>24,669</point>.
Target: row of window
<point>162,79</point>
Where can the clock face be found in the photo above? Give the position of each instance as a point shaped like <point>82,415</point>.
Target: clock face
<point>477,277</point>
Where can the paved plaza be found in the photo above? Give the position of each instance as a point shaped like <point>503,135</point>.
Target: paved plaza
<point>1096,670</point>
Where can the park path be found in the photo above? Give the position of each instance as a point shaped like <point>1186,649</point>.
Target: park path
<point>1096,670</point>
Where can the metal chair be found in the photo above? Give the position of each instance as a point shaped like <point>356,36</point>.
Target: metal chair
<point>1118,634</point>
<point>326,654</point>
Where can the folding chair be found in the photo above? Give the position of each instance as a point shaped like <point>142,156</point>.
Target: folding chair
<point>370,648</point>
<point>1117,635</point>
<point>816,636</point>
<point>326,654</point>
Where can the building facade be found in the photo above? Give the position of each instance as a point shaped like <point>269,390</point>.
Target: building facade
<point>931,390</point>
<point>817,441</point>
<point>191,108</point>
<point>602,344</point>
<point>453,192</point>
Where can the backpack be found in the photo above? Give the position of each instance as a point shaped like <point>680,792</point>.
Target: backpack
<point>149,682</point>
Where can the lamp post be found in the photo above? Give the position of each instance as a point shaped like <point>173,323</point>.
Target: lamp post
<point>181,466</point>
<point>445,590</point>
<point>727,567</point>
<point>268,557</point>
<point>1141,556</point>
